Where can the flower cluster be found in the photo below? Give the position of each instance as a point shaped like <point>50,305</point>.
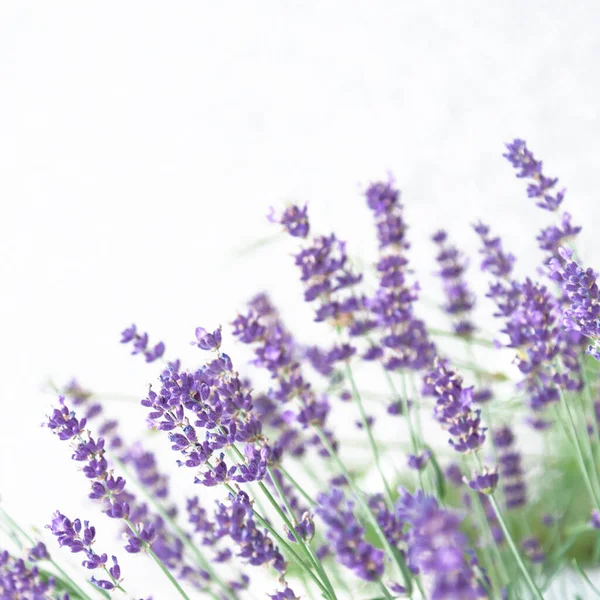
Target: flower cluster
<point>234,519</point>
<point>583,313</point>
<point>21,579</point>
<point>437,547</point>
<point>140,344</point>
<point>347,537</point>
<point>404,342</point>
<point>216,398</point>
<point>79,537</point>
<point>454,410</point>
<point>459,298</point>
<point>540,187</point>
<point>513,482</point>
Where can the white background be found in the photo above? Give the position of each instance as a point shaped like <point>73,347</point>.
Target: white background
<point>142,143</point>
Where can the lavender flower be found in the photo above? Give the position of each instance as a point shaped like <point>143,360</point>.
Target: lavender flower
<point>346,536</point>
<point>216,398</point>
<point>404,342</point>
<point>484,482</point>
<point>454,409</point>
<point>293,219</point>
<point>22,579</point>
<point>583,314</point>
<point>540,186</point>
<point>140,344</point>
<point>511,470</point>
<point>437,547</point>
<point>460,299</point>
<point>235,520</point>
<point>79,537</point>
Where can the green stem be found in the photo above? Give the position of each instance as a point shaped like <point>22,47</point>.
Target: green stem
<point>284,544</point>
<point>202,561</point>
<point>515,551</point>
<point>159,562</point>
<point>66,577</point>
<point>291,526</point>
<point>394,555</point>
<point>367,428</point>
<point>296,486</point>
<point>585,577</point>
<point>579,452</point>
<point>384,590</point>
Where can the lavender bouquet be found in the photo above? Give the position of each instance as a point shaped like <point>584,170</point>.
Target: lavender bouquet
<point>488,487</point>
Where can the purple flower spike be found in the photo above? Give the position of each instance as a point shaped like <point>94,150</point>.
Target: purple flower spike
<point>80,537</point>
<point>541,187</point>
<point>454,408</point>
<point>294,219</point>
<point>459,298</point>
<point>346,536</point>
<point>140,344</point>
<point>485,482</point>
<point>583,311</point>
<point>206,340</point>
<point>437,547</point>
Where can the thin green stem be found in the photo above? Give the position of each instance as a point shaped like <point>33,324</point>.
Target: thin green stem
<point>291,526</point>
<point>396,556</point>
<point>585,577</point>
<point>384,590</point>
<point>300,561</point>
<point>296,486</point>
<point>579,451</point>
<point>515,551</point>
<point>159,562</point>
<point>181,535</point>
<point>68,580</point>
<point>367,428</point>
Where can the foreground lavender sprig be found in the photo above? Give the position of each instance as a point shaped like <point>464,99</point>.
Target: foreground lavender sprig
<point>80,537</point>
<point>22,579</point>
<point>437,547</point>
<point>580,286</point>
<point>105,487</point>
<point>346,536</point>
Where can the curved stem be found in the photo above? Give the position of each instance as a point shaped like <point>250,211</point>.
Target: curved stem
<point>181,535</point>
<point>367,428</point>
<point>66,577</point>
<point>513,547</point>
<point>291,526</point>
<point>159,562</point>
<point>579,451</point>
<point>395,556</point>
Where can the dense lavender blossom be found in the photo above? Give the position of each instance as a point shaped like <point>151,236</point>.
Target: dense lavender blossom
<point>79,537</point>
<point>583,314</point>
<point>437,547</point>
<point>541,186</point>
<point>404,342</point>
<point>216,399</point>
<point>276,351</point>
<point>454,409</point>
<point>22,579</point>
<point>460,300</point>
<point>484,482</point>
<point>235,520</point>
<point>346,536</point>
